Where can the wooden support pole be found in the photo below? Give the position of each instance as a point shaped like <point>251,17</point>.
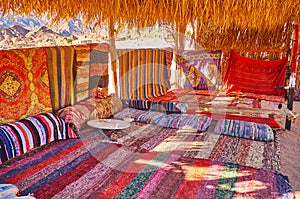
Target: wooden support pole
<point>113,53</point>
<point>294,60</point>
<point>295,49</point>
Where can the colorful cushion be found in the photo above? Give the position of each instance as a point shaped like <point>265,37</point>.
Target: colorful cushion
<point>155,105</point>
<point>137,115</point>
<point>8,191</point>
<point>150,117</point>
<point>79,113</point>
<point>24,84</point>
<point>243,129</point>
<point>106,107</point>
<point>101,93</point>
<point>19,137</point>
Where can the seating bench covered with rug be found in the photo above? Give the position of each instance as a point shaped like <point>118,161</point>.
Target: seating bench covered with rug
<point>31,85</point>
<point>35,83</point>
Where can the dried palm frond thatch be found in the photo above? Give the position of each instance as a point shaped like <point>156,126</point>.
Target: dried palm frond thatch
<point>216,24</point>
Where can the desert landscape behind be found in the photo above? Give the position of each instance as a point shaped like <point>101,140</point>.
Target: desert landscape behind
<point>27,31</point>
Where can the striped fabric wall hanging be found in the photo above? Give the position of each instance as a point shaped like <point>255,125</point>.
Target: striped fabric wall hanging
<point>92,62</point>
<point>143,73</point>
<point>60,62</point>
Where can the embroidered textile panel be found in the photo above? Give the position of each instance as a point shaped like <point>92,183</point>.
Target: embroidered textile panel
<point>200,70</point>
<point>143,73</point>
<point>60,62</point>
<point>255,76</point>
<point>24,84</point>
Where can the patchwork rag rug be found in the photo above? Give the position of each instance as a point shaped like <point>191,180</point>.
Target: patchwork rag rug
<point>208,145</point>
<point>91,168</point>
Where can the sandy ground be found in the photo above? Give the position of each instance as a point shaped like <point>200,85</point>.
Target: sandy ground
<point>290,153</point>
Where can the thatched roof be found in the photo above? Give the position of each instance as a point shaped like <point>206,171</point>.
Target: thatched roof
<point>217,24</point>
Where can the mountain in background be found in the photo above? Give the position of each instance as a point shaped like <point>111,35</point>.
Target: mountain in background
<point>21,31</point>
<point>66,28</point>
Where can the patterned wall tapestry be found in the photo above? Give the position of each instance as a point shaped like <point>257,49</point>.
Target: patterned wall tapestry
<point>82,72</point>
<point>143,73</point>
<point>24,84</point>
<point>60,62</point>
<point>91,68</point>
<point>199,70</point>
<point>99,58</point>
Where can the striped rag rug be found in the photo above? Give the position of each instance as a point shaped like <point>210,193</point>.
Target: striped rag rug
<point>93,169</point>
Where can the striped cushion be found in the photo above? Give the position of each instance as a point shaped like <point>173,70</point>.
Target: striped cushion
<point>179,121</point>
<point>184,121</point>
<point>19,137</point>
<point>150,117</point>
<point>170,107</point>
<point>243,129</point>
<point>139,115</point>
